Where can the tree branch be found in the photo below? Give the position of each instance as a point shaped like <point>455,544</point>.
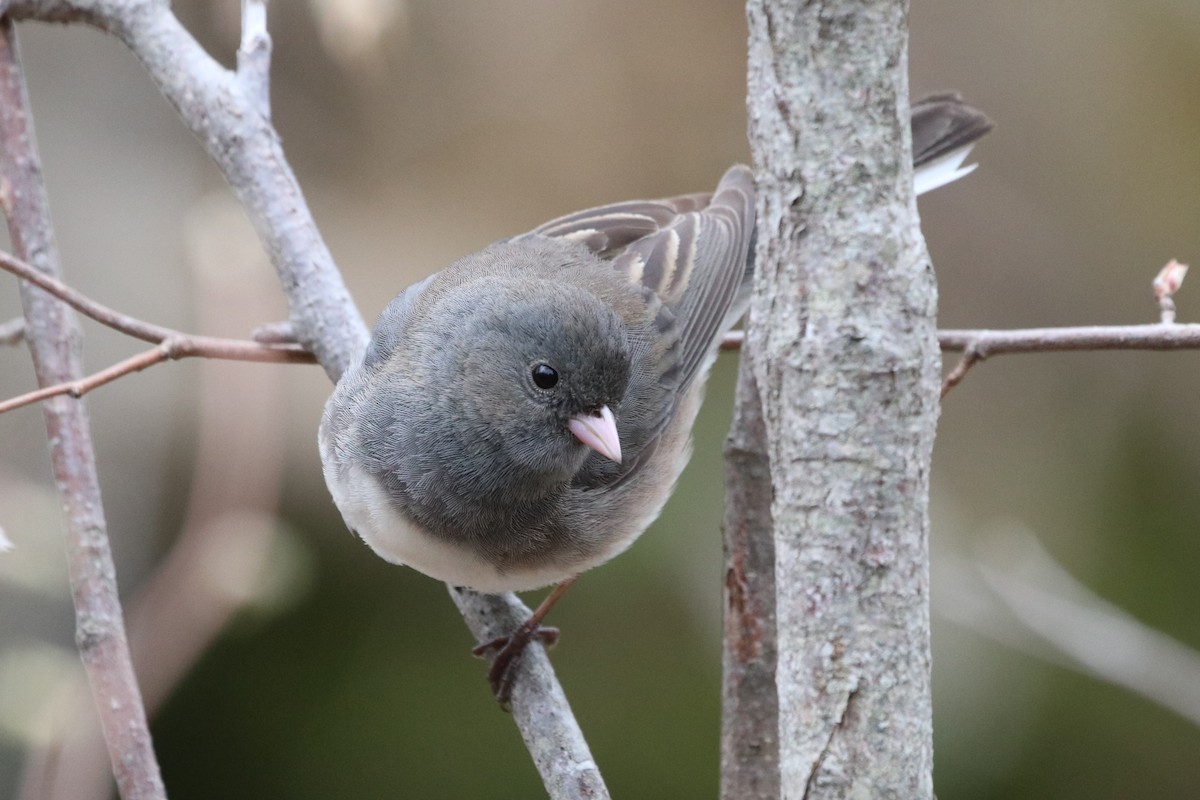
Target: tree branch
<point>539,705</point>
<point>54,342</point>
<point>171,343</point>
<point>230,349</point>
<point>214,104</point>
<point>254,56</point>
<point>978,345</point>
<point>136,328</point>
<point>78,388</point>
<point>985,343</point>
<point>174,348</point>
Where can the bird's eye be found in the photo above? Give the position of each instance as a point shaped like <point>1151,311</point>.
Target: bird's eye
<point>545,376</point>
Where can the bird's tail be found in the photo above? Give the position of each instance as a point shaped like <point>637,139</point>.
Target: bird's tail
<point>944,129</point>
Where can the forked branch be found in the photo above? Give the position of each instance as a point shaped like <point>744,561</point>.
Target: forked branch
<point>171,344</point>
<point>226,112</point>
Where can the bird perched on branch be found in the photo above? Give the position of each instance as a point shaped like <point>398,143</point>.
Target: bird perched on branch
<point>522,415</point>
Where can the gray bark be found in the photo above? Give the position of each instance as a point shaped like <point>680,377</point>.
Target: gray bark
<point>843,349</point>
<point>749,707</point>
<point>55,345</point>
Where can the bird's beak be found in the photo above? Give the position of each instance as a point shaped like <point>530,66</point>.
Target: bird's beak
<point>598,430</point>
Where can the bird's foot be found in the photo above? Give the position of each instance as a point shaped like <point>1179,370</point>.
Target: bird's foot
<point>508,649</point>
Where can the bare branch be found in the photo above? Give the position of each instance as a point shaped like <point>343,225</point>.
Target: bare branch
<point>215,105</point>
<point>1037,607</point>
<point>145,331</point>
<point>172,344</point>
<point>225,556</point>
<point>12,332</point>
<point>274,333</point>
<point>978,345</point>
<point>960,370</point>
<point>254,56</point>
<point>1172,336</point>
<point>539,705</point>
<point>174,348</point>
<point>186,345</point>
<point>84,385</point>
<point>53,335</point>
<point>988,343</point>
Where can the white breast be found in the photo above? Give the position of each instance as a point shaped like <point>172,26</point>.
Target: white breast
<point>368,511</point>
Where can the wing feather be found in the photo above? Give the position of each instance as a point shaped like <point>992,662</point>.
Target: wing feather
<point>689,250</point>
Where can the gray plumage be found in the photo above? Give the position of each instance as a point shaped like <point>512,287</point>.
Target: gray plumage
<point>626,302</point>
<point>942,123</point>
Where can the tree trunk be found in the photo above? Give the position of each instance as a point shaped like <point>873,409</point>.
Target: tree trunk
<point>842,348</point>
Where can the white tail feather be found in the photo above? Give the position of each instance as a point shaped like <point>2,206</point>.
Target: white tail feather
<point>942,170</point>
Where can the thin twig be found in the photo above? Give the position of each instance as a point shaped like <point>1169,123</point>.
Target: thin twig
<point>82,386</point>
<point>539,706</point>
<point>969,358</point>
<point>54,338</point>
<point>186,345</point>
<point>978,345</point>
<point>281,332</point>
<point>12,332</point>
<point>170,349</point>
<point>172,344</point>
<point>987,343</point>
<point>254,56</point>
<point>146,331</point>
<point>247,149</point>
<point>1052,340</point>
<point>176,347</point>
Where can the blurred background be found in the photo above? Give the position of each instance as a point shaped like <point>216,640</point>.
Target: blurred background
<point>285,660</point>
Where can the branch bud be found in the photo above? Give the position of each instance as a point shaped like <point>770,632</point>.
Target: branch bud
<point>1166,284</point>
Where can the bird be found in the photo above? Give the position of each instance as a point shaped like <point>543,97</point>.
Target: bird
<point>521,416</point>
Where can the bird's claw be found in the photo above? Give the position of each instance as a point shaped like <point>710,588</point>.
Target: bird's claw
<point>508,648</point>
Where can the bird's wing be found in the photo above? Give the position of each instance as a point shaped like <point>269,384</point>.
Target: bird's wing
<point>690,250</point>
<point>608,230</point>
<point>697,264</point>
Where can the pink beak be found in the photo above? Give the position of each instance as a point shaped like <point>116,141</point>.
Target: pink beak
<point>599,432</point>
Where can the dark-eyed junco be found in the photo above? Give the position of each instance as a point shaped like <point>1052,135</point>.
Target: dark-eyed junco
<point>522,416</point>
